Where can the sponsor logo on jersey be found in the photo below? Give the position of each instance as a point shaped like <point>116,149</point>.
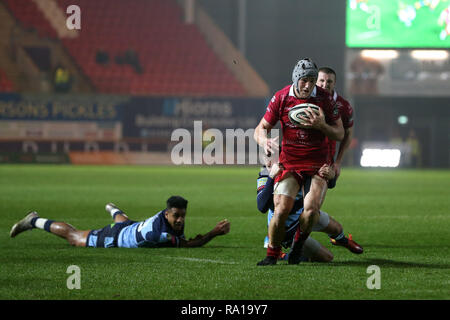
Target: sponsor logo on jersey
<point>261,182</point>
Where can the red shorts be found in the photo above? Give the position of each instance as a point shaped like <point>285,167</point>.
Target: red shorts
<point>299,175</point>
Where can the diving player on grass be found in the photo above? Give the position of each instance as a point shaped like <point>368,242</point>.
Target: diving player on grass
<point>313,250</point>
<point>164,229</point>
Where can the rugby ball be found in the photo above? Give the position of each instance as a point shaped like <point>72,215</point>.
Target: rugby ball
<point>299,110</point>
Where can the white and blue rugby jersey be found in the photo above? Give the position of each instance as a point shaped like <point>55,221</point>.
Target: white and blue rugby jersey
<point>153,232</point>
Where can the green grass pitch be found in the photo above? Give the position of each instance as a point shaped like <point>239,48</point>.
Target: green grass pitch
<point>400,217</point>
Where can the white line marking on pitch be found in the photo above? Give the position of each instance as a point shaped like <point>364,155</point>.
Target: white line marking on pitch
<point>202,260</point>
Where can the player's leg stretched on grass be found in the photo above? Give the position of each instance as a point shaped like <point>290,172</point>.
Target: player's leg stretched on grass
<point>64,230</point>
<point>337,237</point>
<point>334,229</point>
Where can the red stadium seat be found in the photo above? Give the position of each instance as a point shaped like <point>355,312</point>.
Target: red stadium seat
<point>31,17</point>
<point>174,57</point>
<point>5,84</point>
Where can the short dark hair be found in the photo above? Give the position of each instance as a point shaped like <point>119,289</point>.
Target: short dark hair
<point>177,202</point>
<point>327,70</point>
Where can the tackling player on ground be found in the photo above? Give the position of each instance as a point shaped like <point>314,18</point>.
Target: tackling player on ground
<point>313,250</point>
<point>165,229</point>
<point>303,153</point>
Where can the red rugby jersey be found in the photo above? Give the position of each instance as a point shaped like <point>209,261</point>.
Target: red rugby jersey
<point>346,113</point>
<point>301,149</point>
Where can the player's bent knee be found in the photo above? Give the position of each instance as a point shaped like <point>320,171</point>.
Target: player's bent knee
<point>280,217</point>
<point>328,257</point>
<point>282,211</point>
<point>311,213</point>
<point>323,255</point>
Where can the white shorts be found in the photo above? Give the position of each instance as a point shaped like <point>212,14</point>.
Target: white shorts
<point>288,187</point>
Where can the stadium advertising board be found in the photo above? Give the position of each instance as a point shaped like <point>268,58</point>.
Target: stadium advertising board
<point>126,126</point>
<point>60,117</point>
<point>159,117</point>
<point>59,107</point>
<point>51,116</point>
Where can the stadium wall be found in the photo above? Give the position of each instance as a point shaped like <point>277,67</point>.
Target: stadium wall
<point>116,129</point>
<point>106,129</point>
<point>279,33</point>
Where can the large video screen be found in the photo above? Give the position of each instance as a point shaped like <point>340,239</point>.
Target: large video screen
<point>398,24</point>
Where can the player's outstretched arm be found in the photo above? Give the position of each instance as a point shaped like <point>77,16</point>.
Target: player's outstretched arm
<point>222,227</point>
<point>261,131</point>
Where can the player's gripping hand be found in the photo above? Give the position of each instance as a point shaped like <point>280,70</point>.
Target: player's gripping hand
<point>327,172</point>
<point>314,120</point>
<point>337,168</point>
<point>222,227</point>
<point>275,170</point>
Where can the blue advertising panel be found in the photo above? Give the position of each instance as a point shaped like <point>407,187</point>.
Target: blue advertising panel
<point>157,117</point>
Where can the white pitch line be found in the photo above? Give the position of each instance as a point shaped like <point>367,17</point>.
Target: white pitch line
<point>202,260</point>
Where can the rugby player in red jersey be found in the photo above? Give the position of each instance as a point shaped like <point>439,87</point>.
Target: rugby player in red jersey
<point>327,80</point>
<point>303,152</point>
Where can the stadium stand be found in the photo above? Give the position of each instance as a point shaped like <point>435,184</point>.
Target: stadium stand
<point>135,47</point>
<point>5,84</point>
<point>28,14</point>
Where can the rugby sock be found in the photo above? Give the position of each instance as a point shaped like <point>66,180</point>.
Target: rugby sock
<point>41,223</point>
<point>340,237</point>
<point>115,212</point>
<point>273,252</point>
<point>300,235</point>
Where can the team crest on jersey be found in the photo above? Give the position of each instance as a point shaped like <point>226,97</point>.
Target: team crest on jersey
<point>165,237</point>
<point>335,110</point>
<point>302,135</point>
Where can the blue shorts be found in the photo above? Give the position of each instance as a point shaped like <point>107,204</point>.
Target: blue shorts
<point>107,236</point>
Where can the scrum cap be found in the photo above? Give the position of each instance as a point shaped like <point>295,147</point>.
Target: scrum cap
<point>304,68</point>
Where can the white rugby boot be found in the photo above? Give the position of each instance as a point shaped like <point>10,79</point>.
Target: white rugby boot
<point>23,225</point>
<point>110,206</point>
